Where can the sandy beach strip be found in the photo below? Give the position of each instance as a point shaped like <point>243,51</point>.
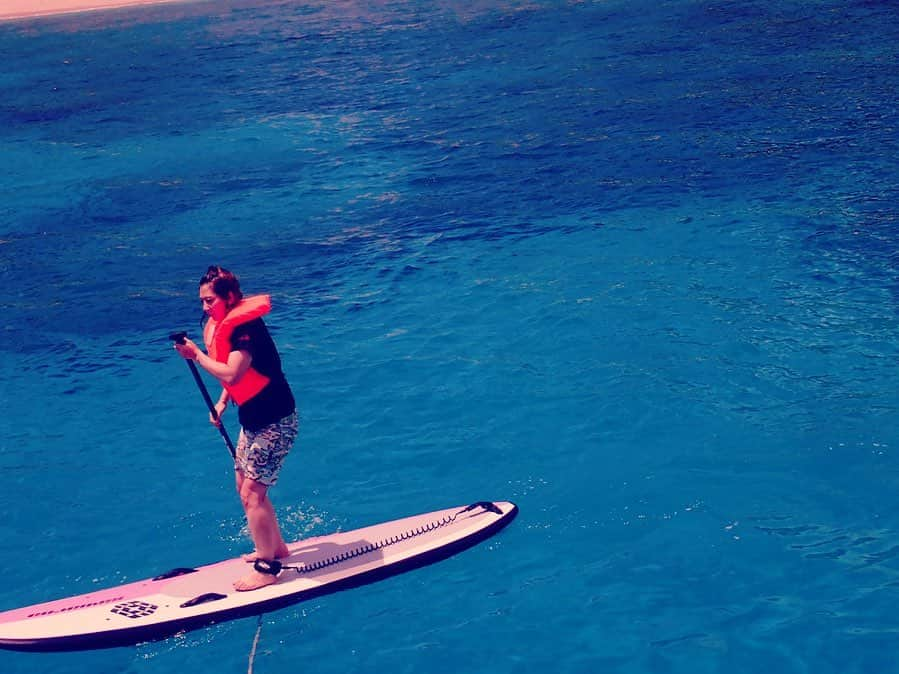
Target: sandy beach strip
<point>24,9</point>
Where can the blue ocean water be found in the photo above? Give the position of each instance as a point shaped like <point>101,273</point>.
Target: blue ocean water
<point>631,265</point>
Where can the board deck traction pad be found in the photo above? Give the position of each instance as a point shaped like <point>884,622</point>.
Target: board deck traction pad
<point>136,608</point>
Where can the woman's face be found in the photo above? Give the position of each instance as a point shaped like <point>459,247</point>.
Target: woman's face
<point>214,306</point>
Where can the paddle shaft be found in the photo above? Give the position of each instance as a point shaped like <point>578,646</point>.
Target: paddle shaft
<point>179,337</point>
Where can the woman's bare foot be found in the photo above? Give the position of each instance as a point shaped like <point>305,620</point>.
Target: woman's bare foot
<point>251,557</point>
<point>254,580</point>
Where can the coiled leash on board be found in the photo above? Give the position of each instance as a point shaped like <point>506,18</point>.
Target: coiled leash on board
<point>273,567</point>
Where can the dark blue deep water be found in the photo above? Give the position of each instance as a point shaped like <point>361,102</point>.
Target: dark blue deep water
<point>630,264</point>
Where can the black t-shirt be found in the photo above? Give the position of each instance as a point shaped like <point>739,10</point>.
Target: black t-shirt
<point>275,401</point>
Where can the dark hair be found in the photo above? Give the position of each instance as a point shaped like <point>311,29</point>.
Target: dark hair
<point>223,282</point>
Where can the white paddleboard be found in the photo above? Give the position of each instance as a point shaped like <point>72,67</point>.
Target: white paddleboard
<point>189,598</point>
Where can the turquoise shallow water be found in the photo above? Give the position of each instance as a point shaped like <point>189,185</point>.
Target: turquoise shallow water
<point>630,265</point>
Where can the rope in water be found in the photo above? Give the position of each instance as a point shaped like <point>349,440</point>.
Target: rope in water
<point>255,644</point>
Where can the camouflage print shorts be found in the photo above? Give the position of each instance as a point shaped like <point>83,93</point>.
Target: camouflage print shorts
<point>261,453</point>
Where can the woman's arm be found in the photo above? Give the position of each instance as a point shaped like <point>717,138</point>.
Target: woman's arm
<point>227,373</point>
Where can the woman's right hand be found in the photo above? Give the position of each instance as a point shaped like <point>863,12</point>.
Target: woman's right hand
<point>187,349</point>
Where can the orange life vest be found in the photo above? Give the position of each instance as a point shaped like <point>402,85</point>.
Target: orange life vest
<point>217,336</point>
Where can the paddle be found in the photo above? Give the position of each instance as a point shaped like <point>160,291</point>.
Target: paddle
<point>179,337</point>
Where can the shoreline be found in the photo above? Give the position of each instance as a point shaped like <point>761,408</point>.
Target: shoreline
<point>15,10</point>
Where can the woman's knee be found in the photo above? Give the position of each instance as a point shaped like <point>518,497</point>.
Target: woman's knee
<point>252,493</point>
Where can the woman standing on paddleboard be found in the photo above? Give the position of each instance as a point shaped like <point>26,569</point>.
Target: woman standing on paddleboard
<point>243,357</point>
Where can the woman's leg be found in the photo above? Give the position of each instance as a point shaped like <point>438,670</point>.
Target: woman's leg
<point>264,530</point>
<point>268,519</point>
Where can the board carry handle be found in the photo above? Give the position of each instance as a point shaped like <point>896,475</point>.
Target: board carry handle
<point>174,573</point>
<point>203,599</point>
<point>178,338</point>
